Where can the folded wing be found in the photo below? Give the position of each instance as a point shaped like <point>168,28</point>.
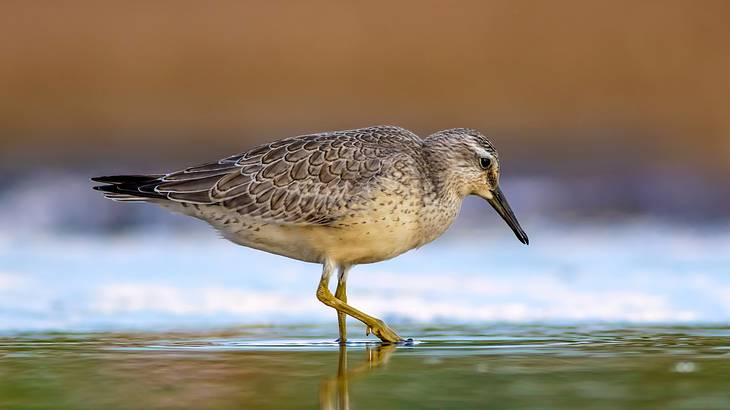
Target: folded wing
<point>302,180</point>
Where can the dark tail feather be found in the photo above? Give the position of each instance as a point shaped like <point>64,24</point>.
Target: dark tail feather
<point>120,179</point>
<point>129,187</point>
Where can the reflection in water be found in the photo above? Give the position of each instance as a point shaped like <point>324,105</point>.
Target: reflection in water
<point>333,392</point>
<point>599,367</point>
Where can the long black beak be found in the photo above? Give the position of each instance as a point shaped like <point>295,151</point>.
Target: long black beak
<point>500,204</point>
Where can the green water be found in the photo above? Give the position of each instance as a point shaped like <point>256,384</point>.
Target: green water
<point>495,367</point>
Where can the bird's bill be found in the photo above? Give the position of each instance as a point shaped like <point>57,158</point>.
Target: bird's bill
<point>500,204</point>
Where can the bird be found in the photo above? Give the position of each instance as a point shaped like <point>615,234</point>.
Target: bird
<point>338,199</point>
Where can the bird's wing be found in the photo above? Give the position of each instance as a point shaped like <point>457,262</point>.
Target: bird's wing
<point>301,180</point>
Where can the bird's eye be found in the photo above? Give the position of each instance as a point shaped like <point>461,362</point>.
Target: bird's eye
<point>485,162</point>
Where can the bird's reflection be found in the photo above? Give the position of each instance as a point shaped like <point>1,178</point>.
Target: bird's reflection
<point>333,393</point>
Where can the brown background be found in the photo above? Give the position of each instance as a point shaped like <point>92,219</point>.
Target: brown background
<point>573,86</point>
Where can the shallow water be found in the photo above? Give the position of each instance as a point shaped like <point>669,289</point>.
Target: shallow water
<point>86,323</point>
<point>500,366</point>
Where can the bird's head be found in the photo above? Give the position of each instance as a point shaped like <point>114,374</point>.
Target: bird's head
<point>467,163</point>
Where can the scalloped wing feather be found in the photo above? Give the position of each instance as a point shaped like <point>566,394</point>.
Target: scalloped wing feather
<point>308,179</point>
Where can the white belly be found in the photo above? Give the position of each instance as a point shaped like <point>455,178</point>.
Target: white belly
<point>355,244</point>
<point>363,237</point>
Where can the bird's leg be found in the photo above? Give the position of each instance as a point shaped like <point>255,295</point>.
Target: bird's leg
<point>341,294</point>
<point>378,327</point>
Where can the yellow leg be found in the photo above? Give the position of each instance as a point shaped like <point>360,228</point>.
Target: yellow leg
<point>341,294</point>
<point>377,326</point>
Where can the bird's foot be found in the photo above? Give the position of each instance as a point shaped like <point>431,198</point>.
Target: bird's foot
<point>384,333</point>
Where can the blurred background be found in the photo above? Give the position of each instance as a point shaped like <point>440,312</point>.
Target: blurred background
<point>612,120</point>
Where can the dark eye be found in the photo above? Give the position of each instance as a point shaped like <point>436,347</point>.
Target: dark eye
<point>485,162</point>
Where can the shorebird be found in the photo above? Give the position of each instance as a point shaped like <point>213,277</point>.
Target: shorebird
<point>337,198</point>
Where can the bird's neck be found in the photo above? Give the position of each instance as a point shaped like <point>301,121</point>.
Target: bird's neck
<point>442,174</point>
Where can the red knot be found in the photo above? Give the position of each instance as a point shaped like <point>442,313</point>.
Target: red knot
<point>338,198</point>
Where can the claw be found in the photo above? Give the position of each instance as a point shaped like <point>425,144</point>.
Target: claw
<point>368,331</point>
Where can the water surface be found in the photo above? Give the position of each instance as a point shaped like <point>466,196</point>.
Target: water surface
<point>496,366</point>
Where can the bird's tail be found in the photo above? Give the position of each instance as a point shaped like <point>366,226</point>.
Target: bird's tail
<point>129,188</point>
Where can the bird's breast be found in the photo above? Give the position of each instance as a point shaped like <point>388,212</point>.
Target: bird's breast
<point>389,226</point>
